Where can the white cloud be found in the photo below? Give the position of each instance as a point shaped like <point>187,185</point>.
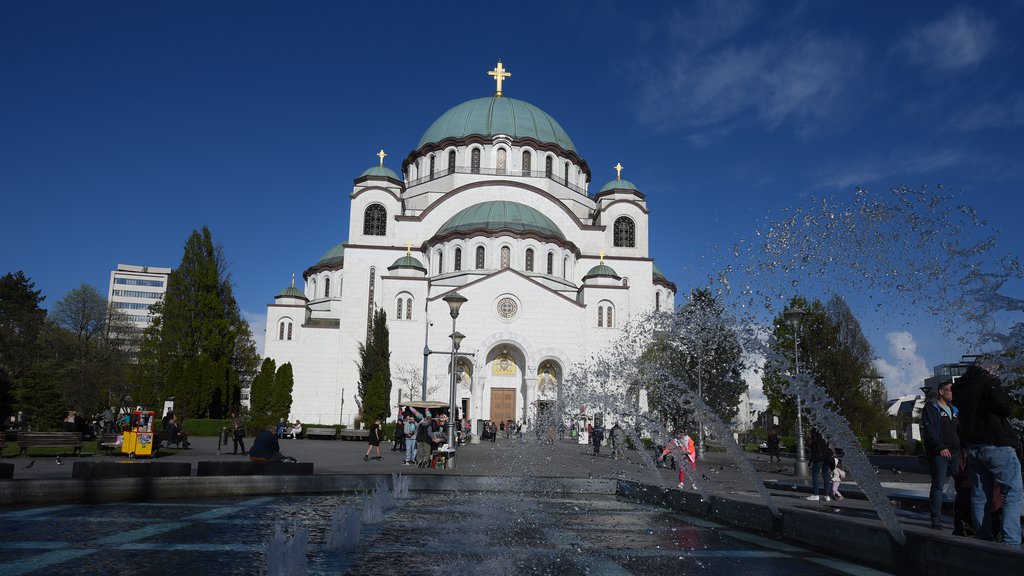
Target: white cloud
<point>258,325</point>
<point>905,370</point>
<point>714,75</point>
<point>1007,113</point>
<point>961,39</point>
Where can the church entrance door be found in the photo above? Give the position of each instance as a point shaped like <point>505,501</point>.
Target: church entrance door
<point>503,404</point>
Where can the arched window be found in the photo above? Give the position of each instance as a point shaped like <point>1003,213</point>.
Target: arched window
<point>284,331</point>
<point>526,163</point>
<point>529,259</point>
<point>280,332</point>
<point>369,300</point>
<point>458,259</point>
<point>565,173</point>
<point>480,257</point>
<point>312,285</point>
<point>451,162</point>
<point>624,232</point>
<point>600,316</point>
<point>431,164</point>
<point>399,308</point>
<point>327,287</point>
<point>474,161</point>
<point>608,314</point>
<point>375,220</point>
<point>549,166</point>
<point>289,330</point>
<point>501,161</point>
<point>408,308</point>
<point>565,268</point>
<point>551,263</point>
<point>440,262</point>
<point>657,300</point>
<point>506,257</point>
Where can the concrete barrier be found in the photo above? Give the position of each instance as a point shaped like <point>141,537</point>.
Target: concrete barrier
<point>6,471</point>
<point>246,468</point>
<point>130,469</point>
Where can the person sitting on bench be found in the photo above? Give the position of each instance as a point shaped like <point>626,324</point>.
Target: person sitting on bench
<point>295,430</point>
<point>265,447</point>
<point>175,435</point>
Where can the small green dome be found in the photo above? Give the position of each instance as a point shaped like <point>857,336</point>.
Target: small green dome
<point>380,172</point>
<point>618,185</point>
<point>334,255</point>
<point>601,270</point>
<point>498,215</point>
<point>408,262</point>
<point>291,292</point>
<point>657,273</point>
<point>497,115</point>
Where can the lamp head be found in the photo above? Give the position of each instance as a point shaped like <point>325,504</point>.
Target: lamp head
<point>793,316</point>
<point>457,339</point>
<point>455,301</point>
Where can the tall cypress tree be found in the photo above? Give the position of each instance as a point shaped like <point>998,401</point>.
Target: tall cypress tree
<point>281,399</point>
<point>375,370</point>
<point>21,323</point>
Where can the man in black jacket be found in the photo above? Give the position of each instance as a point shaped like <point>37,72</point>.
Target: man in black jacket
<point>991,449</point>
<point>941,443</point>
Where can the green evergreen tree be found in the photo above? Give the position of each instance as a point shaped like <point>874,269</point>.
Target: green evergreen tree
<point>21,320</point>
<point>199,327</point>
<point>281,399</point>
<point>375,360</point>
<point>261,394</point>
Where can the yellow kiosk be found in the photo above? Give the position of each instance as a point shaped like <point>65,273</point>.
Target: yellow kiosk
<point>139,438</point>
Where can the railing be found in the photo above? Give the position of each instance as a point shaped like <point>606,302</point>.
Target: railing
<point>496,172</point>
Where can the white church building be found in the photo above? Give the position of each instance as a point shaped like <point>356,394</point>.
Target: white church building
<point>494,202</point>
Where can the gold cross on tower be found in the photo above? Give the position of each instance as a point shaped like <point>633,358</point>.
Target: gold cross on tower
<point>601,254</point>
<point>618,171</point>
<point>381,155</point>
<point>408,248</point>
<point>499,73</point>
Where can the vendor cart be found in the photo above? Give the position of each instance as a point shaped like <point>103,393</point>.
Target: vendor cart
<point>139,438</point>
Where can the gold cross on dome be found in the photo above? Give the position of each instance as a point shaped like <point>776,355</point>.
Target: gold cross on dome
<point>381,155</point>
<point>408,248</point>
<point>499,73</point>
<point>601,254</point>
<point>618,171</point>
<point>293,279</point>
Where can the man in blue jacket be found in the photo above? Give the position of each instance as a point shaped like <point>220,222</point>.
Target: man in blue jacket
<point>941,444</point>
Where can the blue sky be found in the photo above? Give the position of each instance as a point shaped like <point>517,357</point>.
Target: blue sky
<point>126,125</point>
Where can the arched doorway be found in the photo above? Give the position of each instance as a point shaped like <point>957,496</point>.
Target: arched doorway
<point>504,396</point>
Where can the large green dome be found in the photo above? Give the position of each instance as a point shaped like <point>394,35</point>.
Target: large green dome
<point>497,115</point>
<point>500,215</point>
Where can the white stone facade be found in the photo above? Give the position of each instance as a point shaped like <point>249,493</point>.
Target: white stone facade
<point>524,328</point>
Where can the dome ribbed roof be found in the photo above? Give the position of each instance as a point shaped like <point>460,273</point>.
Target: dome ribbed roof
<point>601,270</point>
<point>291,292</point>
<point>618,185</point>
<point>657,273</point>
<point>380,172</point>
<point>408,262</point>
<point>497,115</point>
<point>500,215</point>
<point>335,254</point>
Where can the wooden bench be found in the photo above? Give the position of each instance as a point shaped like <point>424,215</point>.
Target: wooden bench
<point>881,448</point>
<point>28,440</point>
<point>354,434</point>
<point>327,433</point>
<point>108,443</point>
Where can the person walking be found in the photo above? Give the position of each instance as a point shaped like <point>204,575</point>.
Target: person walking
<point>493,431</point>
<point>773,447</point>
<point>238,432</point>
<point>618,441</point>
<point>821,459</point>
<point>374,440</point>
<point>596,437</point>
<point>838,474</point>
<point>399,443</point>
<point>941,444</point>
<point>984,409</point>
<point>682,448</point>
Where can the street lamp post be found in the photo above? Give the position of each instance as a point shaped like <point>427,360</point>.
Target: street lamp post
<point>455,301</point>
<point>793,316</point>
